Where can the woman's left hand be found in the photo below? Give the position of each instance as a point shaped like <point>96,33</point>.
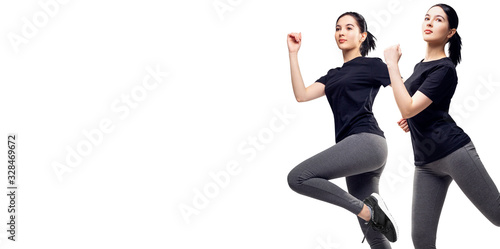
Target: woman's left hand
<point>404,125</point>
<point>392,54</point>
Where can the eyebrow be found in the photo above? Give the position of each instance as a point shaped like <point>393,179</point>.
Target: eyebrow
<point>436,16</point>
<point>346,25</point>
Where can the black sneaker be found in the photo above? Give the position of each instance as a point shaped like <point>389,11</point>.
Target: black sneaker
<point>381,220</point>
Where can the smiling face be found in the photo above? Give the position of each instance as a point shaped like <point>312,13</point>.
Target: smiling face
<point>348,35</point>
<point>436,28</point>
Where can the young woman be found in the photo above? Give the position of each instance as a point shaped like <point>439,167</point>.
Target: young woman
<point>443,151</point>
<point>361,151</point>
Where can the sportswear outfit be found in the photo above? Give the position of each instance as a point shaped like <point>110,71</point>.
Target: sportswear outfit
<point>443,152</point>
<point>360,152</point>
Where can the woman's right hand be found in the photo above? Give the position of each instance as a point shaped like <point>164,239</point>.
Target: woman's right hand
<point>294,41</point>
<point>392,54</point>
<point>404,125</point>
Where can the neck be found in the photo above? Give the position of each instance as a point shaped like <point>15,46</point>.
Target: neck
<point>434,52</point>
<point>350,54</point>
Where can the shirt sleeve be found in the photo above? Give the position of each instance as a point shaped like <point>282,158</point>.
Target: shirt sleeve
<point>381,73</point>
<point>326,77</point>
<point>439,83</point>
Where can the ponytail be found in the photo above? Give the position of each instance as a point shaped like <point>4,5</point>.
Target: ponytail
<point>454,50</point>
<point>368,44</point>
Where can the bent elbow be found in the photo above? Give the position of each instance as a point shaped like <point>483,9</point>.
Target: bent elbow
<point>300,99</point>
<point>407,114</point>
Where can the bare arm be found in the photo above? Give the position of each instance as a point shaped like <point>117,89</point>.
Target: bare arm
<point>409,106</point>
<point>301,93</point>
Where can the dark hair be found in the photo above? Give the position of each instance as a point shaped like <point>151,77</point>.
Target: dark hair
<point>369,43</point>
<point>455,41</point>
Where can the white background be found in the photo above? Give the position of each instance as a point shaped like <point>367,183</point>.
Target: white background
<point>228,77</point>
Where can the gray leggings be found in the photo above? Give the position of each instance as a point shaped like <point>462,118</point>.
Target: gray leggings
<point>361,159</point>
<point>431,183</point>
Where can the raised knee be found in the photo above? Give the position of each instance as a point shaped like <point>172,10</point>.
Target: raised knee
<point>294,180</point>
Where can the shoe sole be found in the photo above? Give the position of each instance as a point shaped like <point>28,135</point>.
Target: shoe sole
<point>384,208</point>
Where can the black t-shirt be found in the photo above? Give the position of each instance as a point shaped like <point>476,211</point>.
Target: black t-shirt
<point>350,90</point>
<point>434,133</point>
